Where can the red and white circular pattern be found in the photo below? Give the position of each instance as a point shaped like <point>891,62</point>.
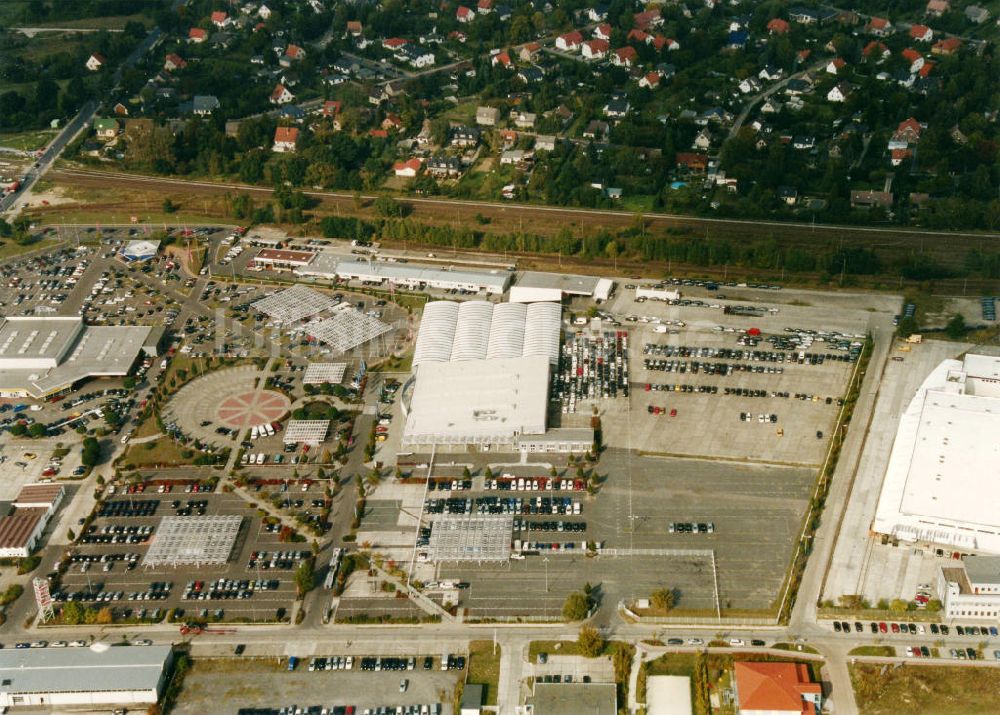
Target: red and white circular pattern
<point>252,408</point>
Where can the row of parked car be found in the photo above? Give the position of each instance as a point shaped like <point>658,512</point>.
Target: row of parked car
<point>916,628</point>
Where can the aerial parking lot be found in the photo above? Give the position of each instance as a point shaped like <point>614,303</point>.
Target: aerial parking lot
<point>107,567</point>
<point>772,380</point>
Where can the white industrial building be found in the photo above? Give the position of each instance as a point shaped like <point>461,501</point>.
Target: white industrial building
<point>533,286</point>
<point>418,277</point>
<point>971,589</point>
<point>940,487</point>
<point>42,356</point>
<point>97,677</point>
<point>481,379</point>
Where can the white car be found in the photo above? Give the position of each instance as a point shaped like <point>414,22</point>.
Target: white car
<point>695,641</point>
<point>736,642</point>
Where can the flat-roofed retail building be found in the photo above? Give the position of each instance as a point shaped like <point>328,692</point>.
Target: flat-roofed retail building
<point>481,379</point>
<point>940,486</point>
<point>99,676</point>
<point>42,356</point>
<point>417,277</point>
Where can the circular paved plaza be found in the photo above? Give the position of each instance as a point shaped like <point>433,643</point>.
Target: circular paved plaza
<point>225,398</point>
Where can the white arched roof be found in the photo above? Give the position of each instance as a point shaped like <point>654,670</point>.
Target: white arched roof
<point>507,331</point>
<point>478,330</point>
<point>437,332</point>
<point>541,330</point>
<point>472,333</point>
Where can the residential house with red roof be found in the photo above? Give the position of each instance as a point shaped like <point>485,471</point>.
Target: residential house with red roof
<point>285,139</point>
<point>197,35</point>
<point>835,65</point>
<point>625,56</point>
<point>777,26</point>
<point>502,59</point>
<point>281,95</point>
<point>570,42</point>
<point>947,46</point>
<point>776,689</point>
<point>603,31</point>
<point>876,50</point>
<point>921,33</point>
<point>174,62</point>
<point>648,19</point>
<point>595,49</point>
<point>220,18</point>
<point>937,8</point>
<point>465,14</point>
<point>407,169</point>
<point>879,27</point>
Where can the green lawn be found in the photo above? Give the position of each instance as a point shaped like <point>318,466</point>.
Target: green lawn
<point>941,690</point>
<point>886,651</point>
<point>28,141</point>
<point>484,668</point>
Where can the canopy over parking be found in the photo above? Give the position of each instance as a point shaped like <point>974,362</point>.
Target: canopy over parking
<point>193,541</point>
<point>306,431</point>
<point>471,537</point>
<point>318,373</point>
<point>294,304</point>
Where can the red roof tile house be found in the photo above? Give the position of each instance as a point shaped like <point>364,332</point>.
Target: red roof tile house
<point>502,59</point>
<point>285,139</point>
<point>407,169</point>
<point>648,19</point>
<point>876,50</point>
<point>776,688</point>
<point>921,33</point>
<point>570,42</point>
<point>465,14</point>
<point>220,18</point>
<point>777,26</point>
<point>879,26</point>
<point>354,28</point>
<point>197,35</point>
<point>937,8</point>
<point>908,131</point>
<point>625,56</point>
<point>174,62</point>
<point>695,163</point>
<point>595,49</point>
<point>281,95</point>
<point>947,46</point>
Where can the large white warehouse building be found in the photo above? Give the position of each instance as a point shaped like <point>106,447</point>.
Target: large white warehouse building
<point>940,486</point>
<point>97,677</point>
<point>481,378</point>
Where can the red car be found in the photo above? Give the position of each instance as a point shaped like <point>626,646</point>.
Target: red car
<point>673,412</point>
<point>882,628</point>
<point>895,628</point>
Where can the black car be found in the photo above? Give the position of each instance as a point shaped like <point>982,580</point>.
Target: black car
<point>912,627</point>
<point>944,630</point>
<point>858,628</point>
<point>428,662</point>
<point>240,649</point>
<point>758,643</point>
<point>874,627</point>
<point>675,641</point>
<point>837,627</point>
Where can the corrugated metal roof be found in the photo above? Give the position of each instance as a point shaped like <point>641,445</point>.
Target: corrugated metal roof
<point>16,529</point>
